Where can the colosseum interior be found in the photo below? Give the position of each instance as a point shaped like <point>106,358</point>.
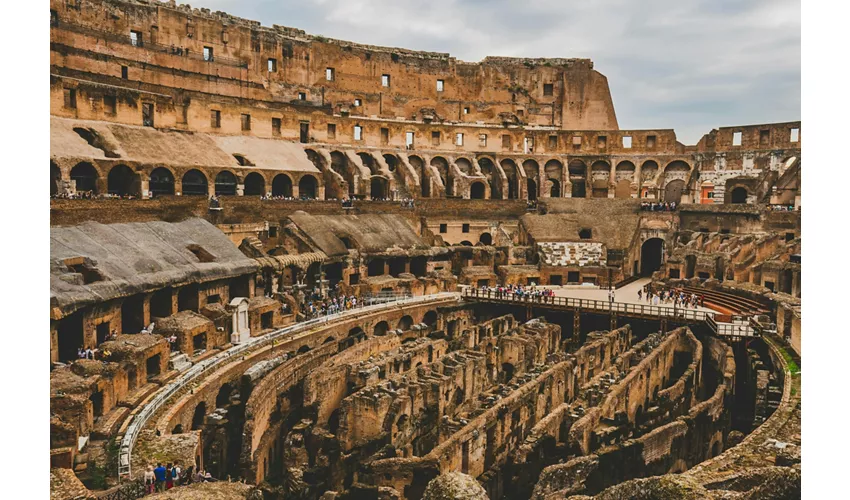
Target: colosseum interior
<point>300,267</point>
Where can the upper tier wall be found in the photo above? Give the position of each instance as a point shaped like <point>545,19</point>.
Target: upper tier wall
<point>281,62</point>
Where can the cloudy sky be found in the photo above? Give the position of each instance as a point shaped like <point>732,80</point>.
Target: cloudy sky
<point>690,65</point>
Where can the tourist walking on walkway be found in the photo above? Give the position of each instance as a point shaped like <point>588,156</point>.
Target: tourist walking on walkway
<point>169,478</point>
<point>149,480</point>
<point>159,474</point>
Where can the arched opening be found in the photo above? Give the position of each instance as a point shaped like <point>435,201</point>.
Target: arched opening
<point>85,177</point>
<point>673,191</point>
<point>304,348</point>
<point>70,336</point>
<point>405,323</point>
<point>55,177</point>
<point>379,188</point>
<point>430,318</point>
<point>222,399</point>
<point>578,177</point>
<point>690,266</point>
<point>121,181</point>
<point>532,189</point>
<point>719,268</point>
<point>507,372</point>
<point>381,328</point>
<point>739,195</point>
<point>476,191</point>
<point>466,243</point>
<point>282,186</point>
<point>418,166</point>
<point>555,190</point>
<point>255,184</point>
<point>198,416</point>
<point>195,183</point>
<point>512,174</point>
<point>307,187</point>
<point>488,170</point>
<point>442,167</point>
<point>485,239</point>
<point>225,183</point>
<point>161,182</point>
<point>651,254</point>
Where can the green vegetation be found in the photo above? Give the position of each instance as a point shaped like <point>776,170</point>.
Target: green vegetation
<point>792,366</point>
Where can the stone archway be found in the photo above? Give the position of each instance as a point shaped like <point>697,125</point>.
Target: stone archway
<point>121,181</point>
<point>255,184</point>
<point>477,191</point>
<point>651,256</point>
<point>282,186</point>
<point>738,195</point>
<point>195,183</point>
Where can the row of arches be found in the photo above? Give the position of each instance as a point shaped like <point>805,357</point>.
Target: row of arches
<point>584,181</point>
<point>122,181</point>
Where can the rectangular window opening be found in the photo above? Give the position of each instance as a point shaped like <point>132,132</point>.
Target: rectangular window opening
<point>147,114</point>
<point>272,65</point>
<point>736,138</point>
<point>650,141</point>
<point>136,38</point>
<point>246,122</point>
<point>330,74</point>
<point>764,137</point>
<point>71,98</point>
<point>408,140</point>
<point>553,142</point>
<point>385,80</point>
<point>465,228</point>
<point>795,135</point>
<point>506,142</point>
<point>435,138</point>
<point>302,96</point>
<point>627,141</point>
<point>441,85</point>
<point>444,228</point>
<point>331,130</point>
<point>358,133</point>
<point>459,139</point>
<point>109,104</point>
<point>482,140</point>
<point>466,111</point>
<point>124,72</point>
<point>601,142</point>
<point>385,136</point>
<point>276,126</point>
<point>357,103</point>
<point>215,118</point>
<point>208,54</point>
<point>548,89</point>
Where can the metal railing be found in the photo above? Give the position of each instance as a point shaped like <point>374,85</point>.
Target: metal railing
<point>740,326</point>
<point>158,401</point>
<point>591,305</point>
<point>126,39</point>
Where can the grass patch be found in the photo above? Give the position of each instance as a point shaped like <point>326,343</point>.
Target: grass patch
<point>792,365</point>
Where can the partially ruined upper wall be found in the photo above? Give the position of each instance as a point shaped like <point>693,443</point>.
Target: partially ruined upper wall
<point>276,64</point>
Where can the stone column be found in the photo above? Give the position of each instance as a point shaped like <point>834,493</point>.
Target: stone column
<point>612,181</point>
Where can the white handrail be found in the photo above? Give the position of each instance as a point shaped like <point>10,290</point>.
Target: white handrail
<point>164,394</point>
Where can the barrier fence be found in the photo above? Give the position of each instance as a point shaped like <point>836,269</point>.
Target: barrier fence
<point>728,326</point>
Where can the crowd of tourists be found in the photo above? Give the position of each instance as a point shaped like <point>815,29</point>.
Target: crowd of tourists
<point>650,206</point>
<point>164,478</point>
<point>521,292</point>
<point>90,195</point>
<point>676,296</point>
<point>332,303</point>
<point>781,208</point>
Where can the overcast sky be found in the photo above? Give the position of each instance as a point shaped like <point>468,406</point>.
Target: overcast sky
<point>690,65</point>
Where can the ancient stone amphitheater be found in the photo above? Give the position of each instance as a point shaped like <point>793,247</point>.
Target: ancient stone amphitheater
<point>310,268</point>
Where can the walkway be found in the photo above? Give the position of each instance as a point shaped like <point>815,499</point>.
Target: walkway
<point>626,295</point>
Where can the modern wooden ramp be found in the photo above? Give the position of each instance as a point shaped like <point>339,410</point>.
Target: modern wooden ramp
<point>729,327</point>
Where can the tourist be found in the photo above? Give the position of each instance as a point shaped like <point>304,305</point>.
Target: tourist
<point>175,474</point>
<point>81,353</point>
<point>159,475</point>
<point>188,476</point>
<point>169,477</point>
<point>640,294</point>
<point>199,476</point>
<point>149,480</point>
